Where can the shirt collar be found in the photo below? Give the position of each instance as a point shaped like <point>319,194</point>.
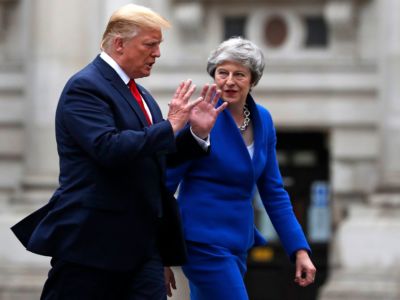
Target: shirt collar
<point>113,64</point>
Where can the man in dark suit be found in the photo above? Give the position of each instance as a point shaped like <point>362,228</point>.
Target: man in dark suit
<point>111,225</point>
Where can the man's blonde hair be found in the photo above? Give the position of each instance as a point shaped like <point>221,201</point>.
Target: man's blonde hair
<point>128,20</point>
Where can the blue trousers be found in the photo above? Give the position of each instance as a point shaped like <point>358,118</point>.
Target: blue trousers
<point>215,273</point>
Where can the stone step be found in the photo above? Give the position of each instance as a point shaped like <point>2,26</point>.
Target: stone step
<point>21,282</point>
<point>362,284</point>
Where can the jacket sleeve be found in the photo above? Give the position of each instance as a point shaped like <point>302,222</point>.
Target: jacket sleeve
<point>175,176</point>
<point>86,115</point>
<point>187,148</point>
<point>276,200</point>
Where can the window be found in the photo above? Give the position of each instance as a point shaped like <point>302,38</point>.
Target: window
<point>234,26</point>
<point>316,32</point>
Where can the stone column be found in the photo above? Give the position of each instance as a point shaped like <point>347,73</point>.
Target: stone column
<point>390,95</point>
<point>340,16</point>
<point>367,241</point>
<point>60,37</point>
<point>63,37</point>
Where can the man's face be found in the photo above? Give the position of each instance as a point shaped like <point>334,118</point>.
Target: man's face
<point>139,53</point>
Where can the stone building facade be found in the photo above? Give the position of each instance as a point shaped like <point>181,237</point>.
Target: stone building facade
<point>332,67</point>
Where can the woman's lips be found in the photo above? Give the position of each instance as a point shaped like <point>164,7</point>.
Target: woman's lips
<point>230,92</point>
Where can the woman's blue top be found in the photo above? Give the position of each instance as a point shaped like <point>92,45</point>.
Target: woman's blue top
<point>216,191</point>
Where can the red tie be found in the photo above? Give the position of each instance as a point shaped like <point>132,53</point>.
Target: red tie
<point>138,97</point>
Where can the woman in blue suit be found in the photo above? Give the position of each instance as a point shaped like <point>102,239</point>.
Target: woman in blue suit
<point>216,192</point>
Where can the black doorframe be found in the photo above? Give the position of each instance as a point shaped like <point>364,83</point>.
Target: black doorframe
<point>304,158</point>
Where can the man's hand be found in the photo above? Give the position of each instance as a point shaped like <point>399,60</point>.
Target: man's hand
<point>305,270</point>
<point>204,114</point>
<point>169,279</point>
<point>180,107</point>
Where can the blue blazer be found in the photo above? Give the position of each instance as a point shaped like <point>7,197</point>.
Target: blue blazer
<point>216,192</point>
<point>112,204</point>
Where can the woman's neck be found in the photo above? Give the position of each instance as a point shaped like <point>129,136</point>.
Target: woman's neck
<point>237,111</point>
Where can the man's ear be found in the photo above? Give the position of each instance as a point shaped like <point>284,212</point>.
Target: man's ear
<point>118,44</point>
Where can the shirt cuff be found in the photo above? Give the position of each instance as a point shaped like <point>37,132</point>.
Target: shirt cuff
<point>204,144</point>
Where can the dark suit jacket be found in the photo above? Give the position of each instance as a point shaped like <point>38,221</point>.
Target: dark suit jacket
<point>111,204</point>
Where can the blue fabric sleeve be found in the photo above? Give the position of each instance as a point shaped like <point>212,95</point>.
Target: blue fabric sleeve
<point>175,176</point>
<point>276,200</point>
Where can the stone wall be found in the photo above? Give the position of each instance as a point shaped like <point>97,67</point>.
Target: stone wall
<point>348,90</point>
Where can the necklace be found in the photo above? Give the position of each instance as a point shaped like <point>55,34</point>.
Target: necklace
<point>246,120</point>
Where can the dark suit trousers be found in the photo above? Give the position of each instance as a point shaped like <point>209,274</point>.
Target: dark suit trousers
<point>69,281</point>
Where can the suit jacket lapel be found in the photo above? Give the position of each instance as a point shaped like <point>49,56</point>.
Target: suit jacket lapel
<point>151,104</point>
<point>257,126</point>
<point>258,132</point>
<point>116,81</point>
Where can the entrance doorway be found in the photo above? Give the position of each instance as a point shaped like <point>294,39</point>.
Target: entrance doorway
<point>304,163</point>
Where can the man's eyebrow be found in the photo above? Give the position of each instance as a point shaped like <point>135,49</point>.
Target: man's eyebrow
<point>155,41</point>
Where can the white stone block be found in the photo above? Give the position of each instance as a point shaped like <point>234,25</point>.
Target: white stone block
<point>42,157</point>
<point>318,109</point>
<point>21,282</point>
<point>342,177</point>
<point>11,80</point>
<point>366,177</point>
<point>12,251</point>
<point>354,144</point>
<point>11,109</point>
<point>189,16</point>
<point>11,141</point>
<point>369,238</point>
<point>368,46</point>
<point>353,177</point>
<point>362,284</point>
<point>10,173</point>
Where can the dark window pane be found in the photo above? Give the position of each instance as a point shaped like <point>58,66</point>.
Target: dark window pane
<point>234,26</point>
<point>316,32</point>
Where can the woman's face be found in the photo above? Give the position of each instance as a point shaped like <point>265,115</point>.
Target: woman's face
<point>234,81</point>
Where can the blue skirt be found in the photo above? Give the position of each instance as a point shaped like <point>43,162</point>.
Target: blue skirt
<point>215,273</point>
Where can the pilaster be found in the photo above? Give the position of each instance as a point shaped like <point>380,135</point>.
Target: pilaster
<point>56,52</point>
<point>52,52</point>
<point>366,242</point>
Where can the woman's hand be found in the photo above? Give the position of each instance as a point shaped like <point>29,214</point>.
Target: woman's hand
<point>169,280</point>
<point>305,270</point>
<point>203,115</point>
